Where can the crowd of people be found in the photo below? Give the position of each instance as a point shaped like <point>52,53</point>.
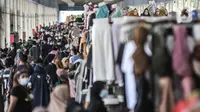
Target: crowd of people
<point>39,71</point>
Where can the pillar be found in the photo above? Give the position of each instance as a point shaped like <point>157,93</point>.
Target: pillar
<point>7,28</point>
<point>2,45</point>
<point>15,15</point>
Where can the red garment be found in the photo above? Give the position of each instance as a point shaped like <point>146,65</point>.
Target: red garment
<point>184,105</point>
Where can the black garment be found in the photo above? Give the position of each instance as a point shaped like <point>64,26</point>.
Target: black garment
<point>22,105</point>
<point>161,59</point>
<point>45,50</point>
<point>144,104</point>
<point>40,87</point>
<point>12,53</point>
<point>90,22</point>
<point>96,103</point>
<point>51,71</point>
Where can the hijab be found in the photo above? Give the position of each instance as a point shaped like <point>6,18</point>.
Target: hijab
<point>59,98</point>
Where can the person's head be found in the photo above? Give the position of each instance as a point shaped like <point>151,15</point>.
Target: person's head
<point>9,62</point>
<point>20,40</point>
<point>146,12</point>
<point>65,62</point>
<point>63,75</point>
<point>163,12</point>
<point>23,58</point>
<point>135,12</point>
<point>19,51</point>
<point>58,63</point>
<point>157,13</point>
<point>21,78</point>
<point>12,46</point>
<point>34,43</point>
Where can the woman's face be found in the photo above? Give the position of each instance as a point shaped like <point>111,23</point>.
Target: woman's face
<point>146,12</point>
<point>135,12</point>
<point>157,12</point>
<point>23,79</point>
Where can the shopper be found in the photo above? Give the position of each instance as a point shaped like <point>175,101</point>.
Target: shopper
<point>40,85</point>
<point>97,93</point>
<point>12,53</point>
<point>59,99</point>
<point>20,100</point>
<point>34,51</point>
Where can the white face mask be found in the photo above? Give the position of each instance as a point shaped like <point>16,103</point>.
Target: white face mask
<point>24,81</point>
<point>104,93</point>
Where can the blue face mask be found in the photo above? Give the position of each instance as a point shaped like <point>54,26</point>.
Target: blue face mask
<point>104,93</point>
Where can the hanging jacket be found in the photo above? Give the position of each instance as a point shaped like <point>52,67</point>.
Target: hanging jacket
<point>39,82</point>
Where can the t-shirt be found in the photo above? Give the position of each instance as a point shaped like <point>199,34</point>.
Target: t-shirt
<point>22,105</point>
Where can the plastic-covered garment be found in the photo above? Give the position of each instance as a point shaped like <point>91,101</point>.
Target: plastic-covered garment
<point>102,12</point>
<point>117,13</point>
<point>102,51</point>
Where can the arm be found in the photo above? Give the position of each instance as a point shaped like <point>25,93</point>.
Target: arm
<point>13,102</point>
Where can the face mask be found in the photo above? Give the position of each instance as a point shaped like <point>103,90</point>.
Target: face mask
<point>24,81</point>
<point>11,48</point>
<point>59,43</point>
<point>51,43</point>
<point>104,93</point>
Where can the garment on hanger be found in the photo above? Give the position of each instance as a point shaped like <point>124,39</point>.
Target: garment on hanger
<point>116,45</point>
<point>196,33</point>
<point>181,52</point>
<point>102,51</point>
<point>161,60</point>
<point>81,71</point>
<point>102,12</point>
<point>117,13</point>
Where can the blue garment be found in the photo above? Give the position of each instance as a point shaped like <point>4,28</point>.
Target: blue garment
<point>40,87</point>
<point>102,12</point>
<point>75,57</point>
<point>195,14</point>
<point>117,13</point>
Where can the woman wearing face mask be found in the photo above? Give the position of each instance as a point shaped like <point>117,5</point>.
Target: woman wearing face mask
<point>98,92</point>
<point>20,100</point>
<point>146,12</point>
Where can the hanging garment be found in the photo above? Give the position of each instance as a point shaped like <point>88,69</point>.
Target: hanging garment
<point>102,51</point>
<point>102,12</point>
<point>81,71</point>
<point>117,13</point>
<point>161,60</point>
<point>127,69</point>
<point>128,23</point>
<point>116,44</point>
<point>181,52</point>
<point>196,33</point>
